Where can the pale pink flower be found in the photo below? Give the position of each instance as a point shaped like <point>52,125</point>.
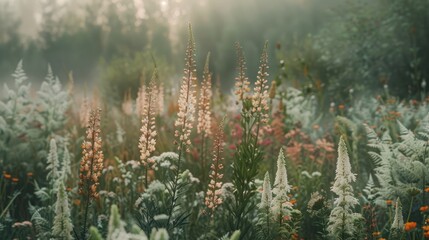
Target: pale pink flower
<point>260,92</point>
<point>147,141</point>
<point>212,199</point>
<point>127,104</point>
<point>204,113</point>
<point>241,81</point>
<point>187,99</point>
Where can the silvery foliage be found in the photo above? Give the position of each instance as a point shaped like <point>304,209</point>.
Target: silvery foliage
<point>27,123</point>
<point>400,167</point>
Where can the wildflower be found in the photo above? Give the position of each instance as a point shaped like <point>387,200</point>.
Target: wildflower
<point>27,223</point>
<point>53,163</point>
<point>127,104</point>
<point>410,226</point>
<point>341,107</point>
<point>281,187</point>
<point>213,199</point>
<point>76,202</point>
<point>7,176</point>
<point>342,217</point>
<point>29,174</point>
<point>266,193</point>
<point>398,220</point>
<point>427,189</point>
<point>91,164</point>
<point>426,235</point>
<point>424,208</point>
<point>84,112</point>
<point>389,202</point>
<point>147,139</point>
<point>140,100</point>
<point>376,234</point>
<point>62,226</point>
<point>272,92</point>
<point>161,98</point>
<point>15,180</point>
<point>242,82</point>
<point>260,95</point>
<point>204,114</point>
<point>187,99</point>
<point>325,145</point>
<point>332,107</point>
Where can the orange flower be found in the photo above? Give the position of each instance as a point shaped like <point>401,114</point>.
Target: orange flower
<point>7,176</point>
<point>389,202</point>
<point>381,239</point>
<point>376,234</point>
<point>426,235</point>
<point>15,180</point>
<point>29,174</point>
<point>293,201</point>
<point>76,202</point>
<point>410,226</point>
<point>427,189</point>
<point>424,208</point>
<point>425,228</point>
<point>341,106</point>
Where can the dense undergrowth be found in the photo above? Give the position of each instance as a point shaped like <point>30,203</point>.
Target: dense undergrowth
<point>191,162</point>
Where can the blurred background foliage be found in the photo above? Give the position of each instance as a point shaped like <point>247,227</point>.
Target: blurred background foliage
<point>332,46</point>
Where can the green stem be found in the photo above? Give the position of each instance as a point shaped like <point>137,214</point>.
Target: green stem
<point>408,216</point>
<point>88,185</point>
<point>174,189</point>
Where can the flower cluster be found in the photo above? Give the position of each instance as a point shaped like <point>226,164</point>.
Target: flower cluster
<point>281,204</point>
<point>409,226</point>
<point>260,92</point>
<point>214,190</point>
<point>140,100</point>
<point>241,81</point>
<point>127,104</point>
<point>204,114</point>
<point>187,99</point>
<point>161,99</point>
<point>342,217</point>
<point>91,164</point>
<point>147,140</point>
<point>267,195</point>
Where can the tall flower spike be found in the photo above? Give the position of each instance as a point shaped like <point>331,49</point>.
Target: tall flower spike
<point>281,187</point>
<point>62,226</point>
<point>398,221</point>
<point>204,113</point>
<point>91,164</point>
<point>266,193</point>
<point>342,218</point>
<point>140,101</point>
<point>127,104</point>
<point>53,163</point>
<point>84,112</point>
<point>161,99</point>
<point>66,170</point>
<point>241,81</point>
<point>260,96</point>
<point>187,99</point>
<point>212,199</point>
<point>147,141</point>
<point>397,229</point>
